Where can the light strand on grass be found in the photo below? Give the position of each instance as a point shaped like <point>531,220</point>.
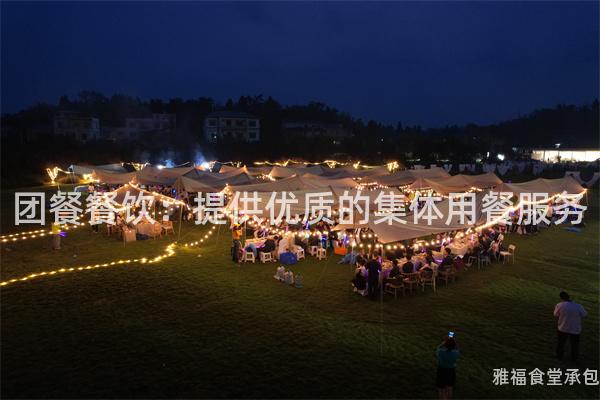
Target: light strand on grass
<point>19,237</point>
<point>169,252</point>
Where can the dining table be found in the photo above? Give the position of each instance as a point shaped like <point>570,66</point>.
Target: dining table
<point>144,228</point>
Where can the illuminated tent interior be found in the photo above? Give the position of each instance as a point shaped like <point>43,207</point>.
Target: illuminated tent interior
<point>301,180</point>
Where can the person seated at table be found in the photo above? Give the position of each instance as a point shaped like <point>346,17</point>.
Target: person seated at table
<point>395,271</point>
<point>269,246</point>
<point>429,256</point>
<point>394,274</point>
<point>473,251</point>
<point>314,240</point>
<point>261,232</point>
<point>349,258</point>
<point>359,281</point>
<point>360,265</point>
<point>408,267</point>
<point>447,262</point>
<point>320,226</point>
<point>458,264</point>
<point>331,238</point>
<point>417,262</point>
<point>299,240</point>
<point>486,242</point>
<point>252,247</point>
<point>360,259</point>
<point>283,224</point>
<point>426,271</point>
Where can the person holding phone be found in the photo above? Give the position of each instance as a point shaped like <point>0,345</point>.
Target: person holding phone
<point>447,356</point>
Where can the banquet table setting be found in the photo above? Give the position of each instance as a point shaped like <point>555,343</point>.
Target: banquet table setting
<point>144,228</point>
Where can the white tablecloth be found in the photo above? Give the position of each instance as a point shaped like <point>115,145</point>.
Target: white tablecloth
<point>459,249</point>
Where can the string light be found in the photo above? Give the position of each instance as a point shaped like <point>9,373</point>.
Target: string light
<point>330,163</point>
<point>392,166</point>
<point>52,173</point>
<point>169,252</point>
<point>16,237</point>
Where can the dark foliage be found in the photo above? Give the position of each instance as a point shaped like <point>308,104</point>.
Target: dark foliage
<point>28,144</point>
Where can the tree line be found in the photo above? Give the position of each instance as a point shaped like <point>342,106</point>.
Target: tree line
<point>30,131</point>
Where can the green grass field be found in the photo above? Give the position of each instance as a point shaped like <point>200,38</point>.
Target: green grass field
<point>197,325</point>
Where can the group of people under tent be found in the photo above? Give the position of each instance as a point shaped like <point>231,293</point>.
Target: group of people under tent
<point>388,265</point>
<point>282,237</point>
<point>160,212</point>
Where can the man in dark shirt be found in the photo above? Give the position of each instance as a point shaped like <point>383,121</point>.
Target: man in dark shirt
<point>373,268</point>
<point>408,267</point>
<point>395,269</point>
<point>268,247</point>
<point>447,261</point>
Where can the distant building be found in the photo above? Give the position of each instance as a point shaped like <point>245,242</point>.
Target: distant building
<point>76,126</point>
<point>136,127</point>
<point>563,155</point>
<point>231,125</point>
<point>315,129</point>
<point>156,123</point>
<point>116,133</point>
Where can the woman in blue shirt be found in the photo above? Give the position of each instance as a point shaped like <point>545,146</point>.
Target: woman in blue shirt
<point>447,355</point>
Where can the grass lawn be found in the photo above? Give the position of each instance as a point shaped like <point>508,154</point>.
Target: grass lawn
<point>197,325</point>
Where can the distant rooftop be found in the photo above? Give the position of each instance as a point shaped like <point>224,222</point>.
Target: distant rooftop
<point>230,114</point>
<point>307,123</point>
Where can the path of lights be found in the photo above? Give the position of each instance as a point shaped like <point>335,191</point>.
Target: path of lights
<point>170,249</point>
<point>169,252</point>
<point>18,237</point>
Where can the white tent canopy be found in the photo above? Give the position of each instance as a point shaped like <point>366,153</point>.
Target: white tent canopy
<point>540,185</point>
<point>457,183</point>
<point>88,169</point>
<point>408,176</point>
<point>160,176</point>
<point>113,178</point>
<point>288,184</point>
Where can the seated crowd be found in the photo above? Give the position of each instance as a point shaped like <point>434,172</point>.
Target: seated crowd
<point>413,263</point>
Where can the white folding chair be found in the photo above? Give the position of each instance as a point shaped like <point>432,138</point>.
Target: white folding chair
<point>321,253</point>
<point>510,254</point>
<point>249,257</point>
<point>265,257</point>
<point>299,252</point>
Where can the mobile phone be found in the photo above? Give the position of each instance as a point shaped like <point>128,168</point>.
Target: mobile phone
<point>451,334</point>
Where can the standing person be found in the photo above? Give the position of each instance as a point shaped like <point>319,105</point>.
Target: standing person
<point>56,236</point>
<point>373,268</point>
<point>569,316</point>
<point>447,355</point>
<point>236,236</point>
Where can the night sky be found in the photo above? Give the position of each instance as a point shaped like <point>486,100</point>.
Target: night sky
<point>429,64</point>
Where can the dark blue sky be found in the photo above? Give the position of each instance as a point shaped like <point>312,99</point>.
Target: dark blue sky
<point>420,63</point>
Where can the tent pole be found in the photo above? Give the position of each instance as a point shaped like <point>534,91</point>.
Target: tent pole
<point>180,219</point>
